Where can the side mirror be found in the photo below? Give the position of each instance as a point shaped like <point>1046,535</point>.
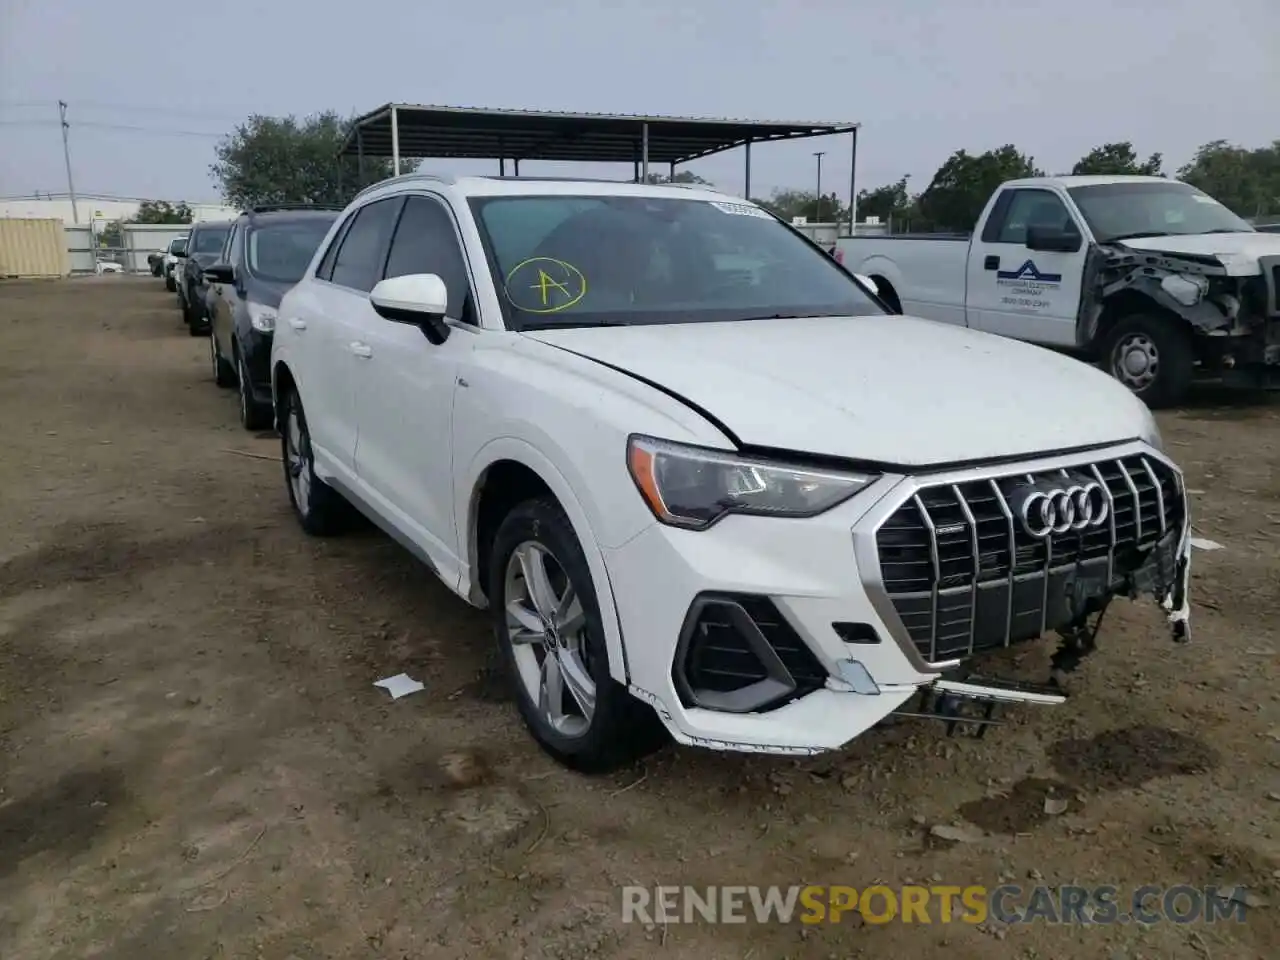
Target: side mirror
<point>868,282</point>
<point>220,273</point>
<point>420,299</point>
<point>1053,240</point>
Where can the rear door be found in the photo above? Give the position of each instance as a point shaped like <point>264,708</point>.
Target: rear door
<point>1017,292</point>
<point>335,313</point>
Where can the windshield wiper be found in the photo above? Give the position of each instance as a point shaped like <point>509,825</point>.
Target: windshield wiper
<point>570,324</point>
<point>1140,236</point>
<point>787,316</point>
<point>1227,230</point>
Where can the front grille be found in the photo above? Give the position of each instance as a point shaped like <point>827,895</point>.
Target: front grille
<point>965,576</point>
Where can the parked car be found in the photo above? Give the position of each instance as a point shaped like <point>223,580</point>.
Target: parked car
<point>155,262</point>
<point>204,247</point>
<point>172,257</point>
<point>699,475</point>
<point>266,252</point>
<point>1151,277</point>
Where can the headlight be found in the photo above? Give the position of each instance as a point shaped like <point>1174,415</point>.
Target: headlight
<point>262,319</point>
<point>693,487</point>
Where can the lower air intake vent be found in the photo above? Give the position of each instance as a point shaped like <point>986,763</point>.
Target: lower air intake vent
<point>737,653</point>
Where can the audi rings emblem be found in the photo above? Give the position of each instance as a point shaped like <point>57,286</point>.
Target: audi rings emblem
<point>1047,510</point>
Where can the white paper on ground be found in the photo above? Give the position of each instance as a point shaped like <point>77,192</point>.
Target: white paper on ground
<point>401,685</point>
<point>1202,544</point>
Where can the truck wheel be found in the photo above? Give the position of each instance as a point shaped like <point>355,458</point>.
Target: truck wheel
<point>1153,356</point>
<point>551,639</point>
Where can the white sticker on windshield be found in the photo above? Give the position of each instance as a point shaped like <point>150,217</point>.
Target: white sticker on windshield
<point>739,209</point>
<point>1201,198</point>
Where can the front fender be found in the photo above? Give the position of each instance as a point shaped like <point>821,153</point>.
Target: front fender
<point>467,503</point>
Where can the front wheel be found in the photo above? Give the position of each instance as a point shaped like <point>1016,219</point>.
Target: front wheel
<point>224,374</point>
<point>1153,356</point>
<point>551,639</point>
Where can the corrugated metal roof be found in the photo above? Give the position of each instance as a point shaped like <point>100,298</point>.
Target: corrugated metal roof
<point>485,132</point>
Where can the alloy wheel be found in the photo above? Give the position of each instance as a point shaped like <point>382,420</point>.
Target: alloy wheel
<point>298,452</point>
<point>546,628</point>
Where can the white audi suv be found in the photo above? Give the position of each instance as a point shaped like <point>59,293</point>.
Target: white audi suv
<point>704,480</point>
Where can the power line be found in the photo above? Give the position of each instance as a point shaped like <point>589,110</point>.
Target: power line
<point>99,125</point>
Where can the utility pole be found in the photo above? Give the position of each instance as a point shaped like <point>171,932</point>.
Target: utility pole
<point>818,205</point>
<point>66,153</point>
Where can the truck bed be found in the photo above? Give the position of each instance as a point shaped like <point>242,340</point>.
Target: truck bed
<point>937,265</point>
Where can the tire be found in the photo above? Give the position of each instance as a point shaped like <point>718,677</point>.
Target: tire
<point>253,415</point>
<point>320,510</point>
<point>224,375</point>
<point>1165,344</point>
<point>170,285</point>
<point>616,729</point>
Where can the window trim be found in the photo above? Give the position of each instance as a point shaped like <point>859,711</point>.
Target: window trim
<point>335,244</point>
<point>440,201</point>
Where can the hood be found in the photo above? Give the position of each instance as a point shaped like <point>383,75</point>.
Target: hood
<point>1238,252</point>
<point>888,389</point>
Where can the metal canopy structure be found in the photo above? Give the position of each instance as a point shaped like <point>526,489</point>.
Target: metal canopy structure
<point>407,131</point>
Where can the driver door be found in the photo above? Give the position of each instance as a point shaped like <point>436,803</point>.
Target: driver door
<point>1017,292</point>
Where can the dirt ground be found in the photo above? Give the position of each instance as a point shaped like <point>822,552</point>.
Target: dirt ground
<point>194,762</point>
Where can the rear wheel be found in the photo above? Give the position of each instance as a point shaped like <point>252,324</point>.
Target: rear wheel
<point>551,639</point>
<point>1153,356</point>
<point>253,415</point>
<point>320,509</point>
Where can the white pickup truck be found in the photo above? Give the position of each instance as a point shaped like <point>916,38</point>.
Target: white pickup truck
<point>1151,277</point>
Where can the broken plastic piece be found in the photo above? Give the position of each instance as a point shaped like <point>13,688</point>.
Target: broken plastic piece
<point>401,685</point>
<point>1200,543</point>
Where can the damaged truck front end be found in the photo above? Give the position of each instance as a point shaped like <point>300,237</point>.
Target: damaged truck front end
<point>1229,306</point>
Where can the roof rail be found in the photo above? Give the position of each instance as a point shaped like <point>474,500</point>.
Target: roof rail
<point>406,178</point>
<point>272,207</point>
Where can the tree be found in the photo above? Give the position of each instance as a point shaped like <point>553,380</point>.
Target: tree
<point>1246,181</point>
<point>1119,159</point>
<point>161,211</point>
<point>890,202</point>
<point>684,176</point>
<point>111,235</point>
<point>804,203</point>
<point>287,160</point>
<point>963,185</point>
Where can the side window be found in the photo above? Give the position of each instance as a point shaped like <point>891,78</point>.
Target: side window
<point>225,255</point>
<point>425,242</point>
<point>325,270</point>
<point>1027,208</point>
<point>360,258</point>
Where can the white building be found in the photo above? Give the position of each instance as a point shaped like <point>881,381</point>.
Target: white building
<point>100,209</point>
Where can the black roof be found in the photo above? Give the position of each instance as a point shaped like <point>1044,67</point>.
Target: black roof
<point>433,131</point>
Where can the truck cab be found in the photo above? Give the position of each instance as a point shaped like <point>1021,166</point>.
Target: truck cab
<point>1151,277</point>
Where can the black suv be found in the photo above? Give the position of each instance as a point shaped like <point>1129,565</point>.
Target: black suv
<point>204,249</point>
<point>266,253</point>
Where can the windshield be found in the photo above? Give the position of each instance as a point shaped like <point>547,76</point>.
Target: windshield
<point>210,240</point>
<point>281,252</point>
<point>609,260</point>
<point>176,245</point>
<point>1129,210</point>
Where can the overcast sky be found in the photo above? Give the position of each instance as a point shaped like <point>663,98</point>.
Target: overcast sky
<point>924,77</point>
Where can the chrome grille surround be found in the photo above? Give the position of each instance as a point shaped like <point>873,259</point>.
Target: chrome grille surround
<point>980,561</point>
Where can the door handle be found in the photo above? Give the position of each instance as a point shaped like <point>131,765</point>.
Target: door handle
<point>361,350</point>
<point>297,323</point>
<point>991,263</point>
